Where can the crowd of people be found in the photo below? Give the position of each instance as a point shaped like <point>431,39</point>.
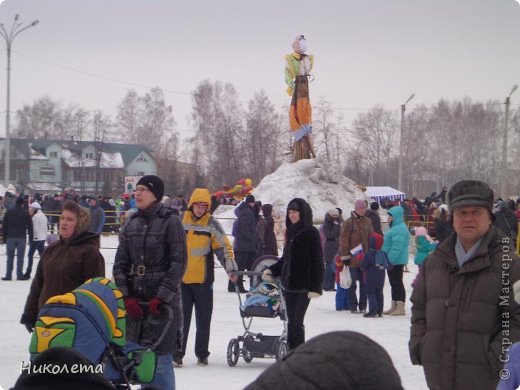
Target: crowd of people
<point>462,294</point>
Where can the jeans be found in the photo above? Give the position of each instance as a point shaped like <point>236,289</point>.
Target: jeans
<point>328,276</point>
<point>15,244</point>
<point>357,276</point>
<point>164,378</point>
<point>33,247</point>
<point>375,300</point>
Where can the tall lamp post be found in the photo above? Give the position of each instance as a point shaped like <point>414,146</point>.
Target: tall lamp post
<point>401,145</point>
<point>503,167</point>
<point>9,36</point>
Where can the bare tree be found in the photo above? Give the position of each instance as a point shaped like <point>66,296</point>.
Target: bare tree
<point>374,134</point>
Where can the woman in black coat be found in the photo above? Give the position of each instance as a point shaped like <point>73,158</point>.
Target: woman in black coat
<point>300,269</point>
<point>270,244</point>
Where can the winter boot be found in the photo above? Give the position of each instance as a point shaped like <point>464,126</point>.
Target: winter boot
<point>399,309</point>
<point>392,308</point>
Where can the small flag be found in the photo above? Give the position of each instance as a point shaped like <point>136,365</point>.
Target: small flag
<point>356,251</point>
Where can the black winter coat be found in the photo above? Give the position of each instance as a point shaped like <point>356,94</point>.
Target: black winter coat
<point>301,267</point>
<point>17,223</point>
<point>153,238</point>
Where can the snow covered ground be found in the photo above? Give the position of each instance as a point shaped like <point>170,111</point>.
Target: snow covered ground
<point>391,332</point>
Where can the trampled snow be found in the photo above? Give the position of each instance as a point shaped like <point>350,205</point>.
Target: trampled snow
<point>323,187</point>
<point>391,332</point>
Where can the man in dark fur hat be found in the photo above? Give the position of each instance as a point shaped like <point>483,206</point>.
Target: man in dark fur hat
<point>464,316</point>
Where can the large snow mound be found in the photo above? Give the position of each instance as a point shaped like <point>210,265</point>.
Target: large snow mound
<point>321,184</point>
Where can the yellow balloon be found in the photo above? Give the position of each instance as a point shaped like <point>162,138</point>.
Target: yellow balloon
<point>249,182</point>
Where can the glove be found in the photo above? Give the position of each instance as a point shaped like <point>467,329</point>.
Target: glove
<point>267,276</point>
<point>28,322</point>
<point>154,305</point>
<point>313,294</point>
<point>132,308</point>
<point>231,266</point>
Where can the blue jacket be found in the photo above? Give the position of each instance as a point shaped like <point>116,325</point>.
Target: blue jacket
<point>424,248</point>
<point>375,273</point>
<point>397,238</point>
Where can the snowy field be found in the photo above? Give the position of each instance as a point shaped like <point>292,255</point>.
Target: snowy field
<point>391,332</point>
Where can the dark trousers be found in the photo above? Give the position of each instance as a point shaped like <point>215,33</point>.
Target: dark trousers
<point>375,300</point>
<point>200,296</point>
<point>297,304</point>
<point>33,247</point>
<point>395,277</point>
<point>15,244</point>
<point>244,261</point>
<point>329,276</point>
<point>357,276</point>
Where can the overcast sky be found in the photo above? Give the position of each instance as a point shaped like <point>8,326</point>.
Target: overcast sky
<point>367,52</point>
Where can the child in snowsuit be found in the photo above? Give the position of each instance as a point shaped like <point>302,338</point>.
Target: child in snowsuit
<point>374,265</point>
<point>424,246</point>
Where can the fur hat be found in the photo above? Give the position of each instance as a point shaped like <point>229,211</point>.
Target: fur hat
<point>35,206</point>
<point>154,184</point>
<point>470,193</point>
<point>321,363</point>
<point>334,213</point>
<point>82,213</point>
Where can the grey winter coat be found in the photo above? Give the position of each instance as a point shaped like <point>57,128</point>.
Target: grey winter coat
<point>463,319</point>
<point>150,262</point>
<point>331,230</point>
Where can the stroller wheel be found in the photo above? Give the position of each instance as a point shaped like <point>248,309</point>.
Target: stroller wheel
<point>247,354</point>
<point>280,349</point>
<point>233,351</point>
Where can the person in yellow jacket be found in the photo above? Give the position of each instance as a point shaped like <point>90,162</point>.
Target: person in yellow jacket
<point>204,238</point>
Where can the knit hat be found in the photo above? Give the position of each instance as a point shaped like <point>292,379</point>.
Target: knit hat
<point>334,213</point>
<point>35,206</point>
<point>470,193</point>
<point>420,231</point>
<point>250,199</point>
<point>374,206</point>
<point>321,363</point>
<point>293,206</point>
<point>154,184</point>
<point>360,204</point>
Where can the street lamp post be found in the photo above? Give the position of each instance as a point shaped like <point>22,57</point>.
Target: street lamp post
<point>401,145</point>
<point>503,167</point>
<point>9,37</point>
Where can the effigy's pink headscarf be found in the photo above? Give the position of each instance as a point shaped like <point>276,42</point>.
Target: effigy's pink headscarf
<point>300,44</point>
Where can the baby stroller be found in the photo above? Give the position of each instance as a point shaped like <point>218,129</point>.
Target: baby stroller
<point>264,300</point>
<point>91,320</point>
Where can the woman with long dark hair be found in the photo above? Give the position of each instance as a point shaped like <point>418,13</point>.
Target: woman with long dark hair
<point>300,269</point>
